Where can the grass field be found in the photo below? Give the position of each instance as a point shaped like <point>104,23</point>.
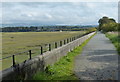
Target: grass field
<point>16,42</point>
<point>115,39</point>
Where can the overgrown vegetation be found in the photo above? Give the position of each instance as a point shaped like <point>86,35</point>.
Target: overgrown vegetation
<point>92,29</point>
<point>115,38</point>
<point>108,24</point>
<point>63,69</point>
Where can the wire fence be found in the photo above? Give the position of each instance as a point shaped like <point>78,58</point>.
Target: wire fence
<point>29,54</point>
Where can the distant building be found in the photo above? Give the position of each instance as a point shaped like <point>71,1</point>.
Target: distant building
<point>60,30</point>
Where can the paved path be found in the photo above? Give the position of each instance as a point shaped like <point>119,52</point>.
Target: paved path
<point>98,61</point>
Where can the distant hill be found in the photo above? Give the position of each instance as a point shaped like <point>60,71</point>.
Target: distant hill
<point>42,28</point>
<point>28,25</point>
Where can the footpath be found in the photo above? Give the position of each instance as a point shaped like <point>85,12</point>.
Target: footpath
<point>98,61</point>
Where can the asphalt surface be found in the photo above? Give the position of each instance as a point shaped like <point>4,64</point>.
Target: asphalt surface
<point>98,61</point>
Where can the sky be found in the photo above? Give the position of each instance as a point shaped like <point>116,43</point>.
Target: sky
<point>59,13</point>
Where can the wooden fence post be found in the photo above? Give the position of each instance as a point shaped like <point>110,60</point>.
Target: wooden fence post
<point>49,47</point>
<point>13,57</point>
<point>41,50</point>
<point>64,42</point>
<point>55,44</point>
<point>67,40</point>
<point>60,43</point>
<point>30,54</point>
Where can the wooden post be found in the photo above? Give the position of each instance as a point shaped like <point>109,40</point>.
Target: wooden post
<point>13,57</point>
<point>30,54</point>
<point>41,50</point>
<point>55,44</point>
<point>64,42</point>
<point>67,40</point>
<point>60,43</point>
<point>49,47</point>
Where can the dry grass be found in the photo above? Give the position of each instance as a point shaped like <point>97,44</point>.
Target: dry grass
<point>16,42</point>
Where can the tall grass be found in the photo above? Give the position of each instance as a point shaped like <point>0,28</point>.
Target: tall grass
<point>115,39</point>
<point>63,69</point>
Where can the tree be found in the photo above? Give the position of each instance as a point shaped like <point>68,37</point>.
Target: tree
<point>107,24</point>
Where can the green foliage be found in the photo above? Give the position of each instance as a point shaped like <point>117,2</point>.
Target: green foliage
<point>109,27</point>
<point>119,27</point>
<point>107,24</point>
<point>115,40</point>
<point>63,69</point>
<point>92,29</point>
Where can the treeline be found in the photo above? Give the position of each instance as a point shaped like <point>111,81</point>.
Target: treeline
<point>44,28</point>
<point>18,29</point>
<point>108,24</point>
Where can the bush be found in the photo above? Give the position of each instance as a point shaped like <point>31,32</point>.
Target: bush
<point>119,27</point>
<point>109,27</point>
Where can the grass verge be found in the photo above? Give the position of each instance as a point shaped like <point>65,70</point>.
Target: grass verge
<point>63,69</point>
<point>115,39</point>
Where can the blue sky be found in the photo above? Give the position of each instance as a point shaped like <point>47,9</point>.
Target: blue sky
<point>35,13</point>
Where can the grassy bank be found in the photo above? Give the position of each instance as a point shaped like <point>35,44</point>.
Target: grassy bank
<point>115,39</point>
<point>63,69</point>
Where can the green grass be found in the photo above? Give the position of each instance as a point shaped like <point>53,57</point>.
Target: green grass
<point>63,69</point>
<point>16,42</point>
<point>115,39</point>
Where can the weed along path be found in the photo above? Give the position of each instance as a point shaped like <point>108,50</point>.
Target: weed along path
<point>98,61</point>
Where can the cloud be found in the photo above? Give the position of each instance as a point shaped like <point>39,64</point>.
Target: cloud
<point>57,12</point>
<point>48,16</point>
<point>60,0</point>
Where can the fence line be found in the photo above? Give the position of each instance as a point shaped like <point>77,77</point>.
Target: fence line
<point>45,48</point>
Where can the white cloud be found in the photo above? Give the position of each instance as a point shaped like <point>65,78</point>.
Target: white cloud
<point>57,13</point>
<point>60,0</point>
<point>48,16</point>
